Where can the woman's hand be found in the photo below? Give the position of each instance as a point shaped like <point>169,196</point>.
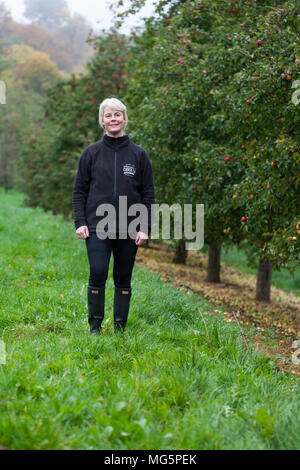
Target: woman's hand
<point>140,238</point>
<point>82,232</point>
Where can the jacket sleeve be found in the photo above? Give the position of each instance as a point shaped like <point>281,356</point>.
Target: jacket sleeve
<point>81,189</point>
<point>147,190</point>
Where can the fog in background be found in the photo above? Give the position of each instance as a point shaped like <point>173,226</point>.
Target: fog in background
<point>97,12</point>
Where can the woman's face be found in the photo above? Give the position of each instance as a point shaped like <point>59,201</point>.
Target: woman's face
<point>113,121</point>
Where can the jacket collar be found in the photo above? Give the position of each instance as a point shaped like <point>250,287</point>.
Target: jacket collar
<point>116,142</point>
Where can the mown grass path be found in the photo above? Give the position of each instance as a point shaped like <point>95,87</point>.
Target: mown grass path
<point>163,385</point>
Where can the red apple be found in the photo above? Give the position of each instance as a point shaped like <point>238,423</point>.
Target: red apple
<point>274,163</point>
<point>268,186</point>
<point>259,42</point>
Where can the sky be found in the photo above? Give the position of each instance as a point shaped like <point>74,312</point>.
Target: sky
<point>97,12</point>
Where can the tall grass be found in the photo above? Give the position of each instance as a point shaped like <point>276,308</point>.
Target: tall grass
<point>162,385</point>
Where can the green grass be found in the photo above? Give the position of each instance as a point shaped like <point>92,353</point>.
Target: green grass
<point>161,385</point>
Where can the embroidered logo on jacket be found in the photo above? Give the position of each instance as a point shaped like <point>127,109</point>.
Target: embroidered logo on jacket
<point>129,169</point>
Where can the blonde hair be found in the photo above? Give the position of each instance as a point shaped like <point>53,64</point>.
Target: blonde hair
<point>114,104</point>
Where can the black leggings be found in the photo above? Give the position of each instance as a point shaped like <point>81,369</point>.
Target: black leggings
<point>99,252</point>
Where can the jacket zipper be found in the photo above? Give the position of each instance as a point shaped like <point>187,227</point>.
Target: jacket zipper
<point>115,180</point>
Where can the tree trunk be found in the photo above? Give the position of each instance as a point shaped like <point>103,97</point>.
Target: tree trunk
<point>263,282</point>
<point>181,253</point>
<point>3,166</point>
<point>146,244</point>
<point>5,175</point>
<point>214,266</point>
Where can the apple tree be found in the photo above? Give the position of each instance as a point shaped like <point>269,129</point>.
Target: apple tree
<point>209,79</point>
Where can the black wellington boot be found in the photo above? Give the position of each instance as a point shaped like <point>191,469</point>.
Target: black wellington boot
<point>121,308</point>
<point>96,302</point>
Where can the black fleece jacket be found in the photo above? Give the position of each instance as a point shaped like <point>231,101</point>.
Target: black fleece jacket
<point>109,168</point>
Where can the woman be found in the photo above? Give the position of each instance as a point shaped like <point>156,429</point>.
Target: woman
<point>109,168</point>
